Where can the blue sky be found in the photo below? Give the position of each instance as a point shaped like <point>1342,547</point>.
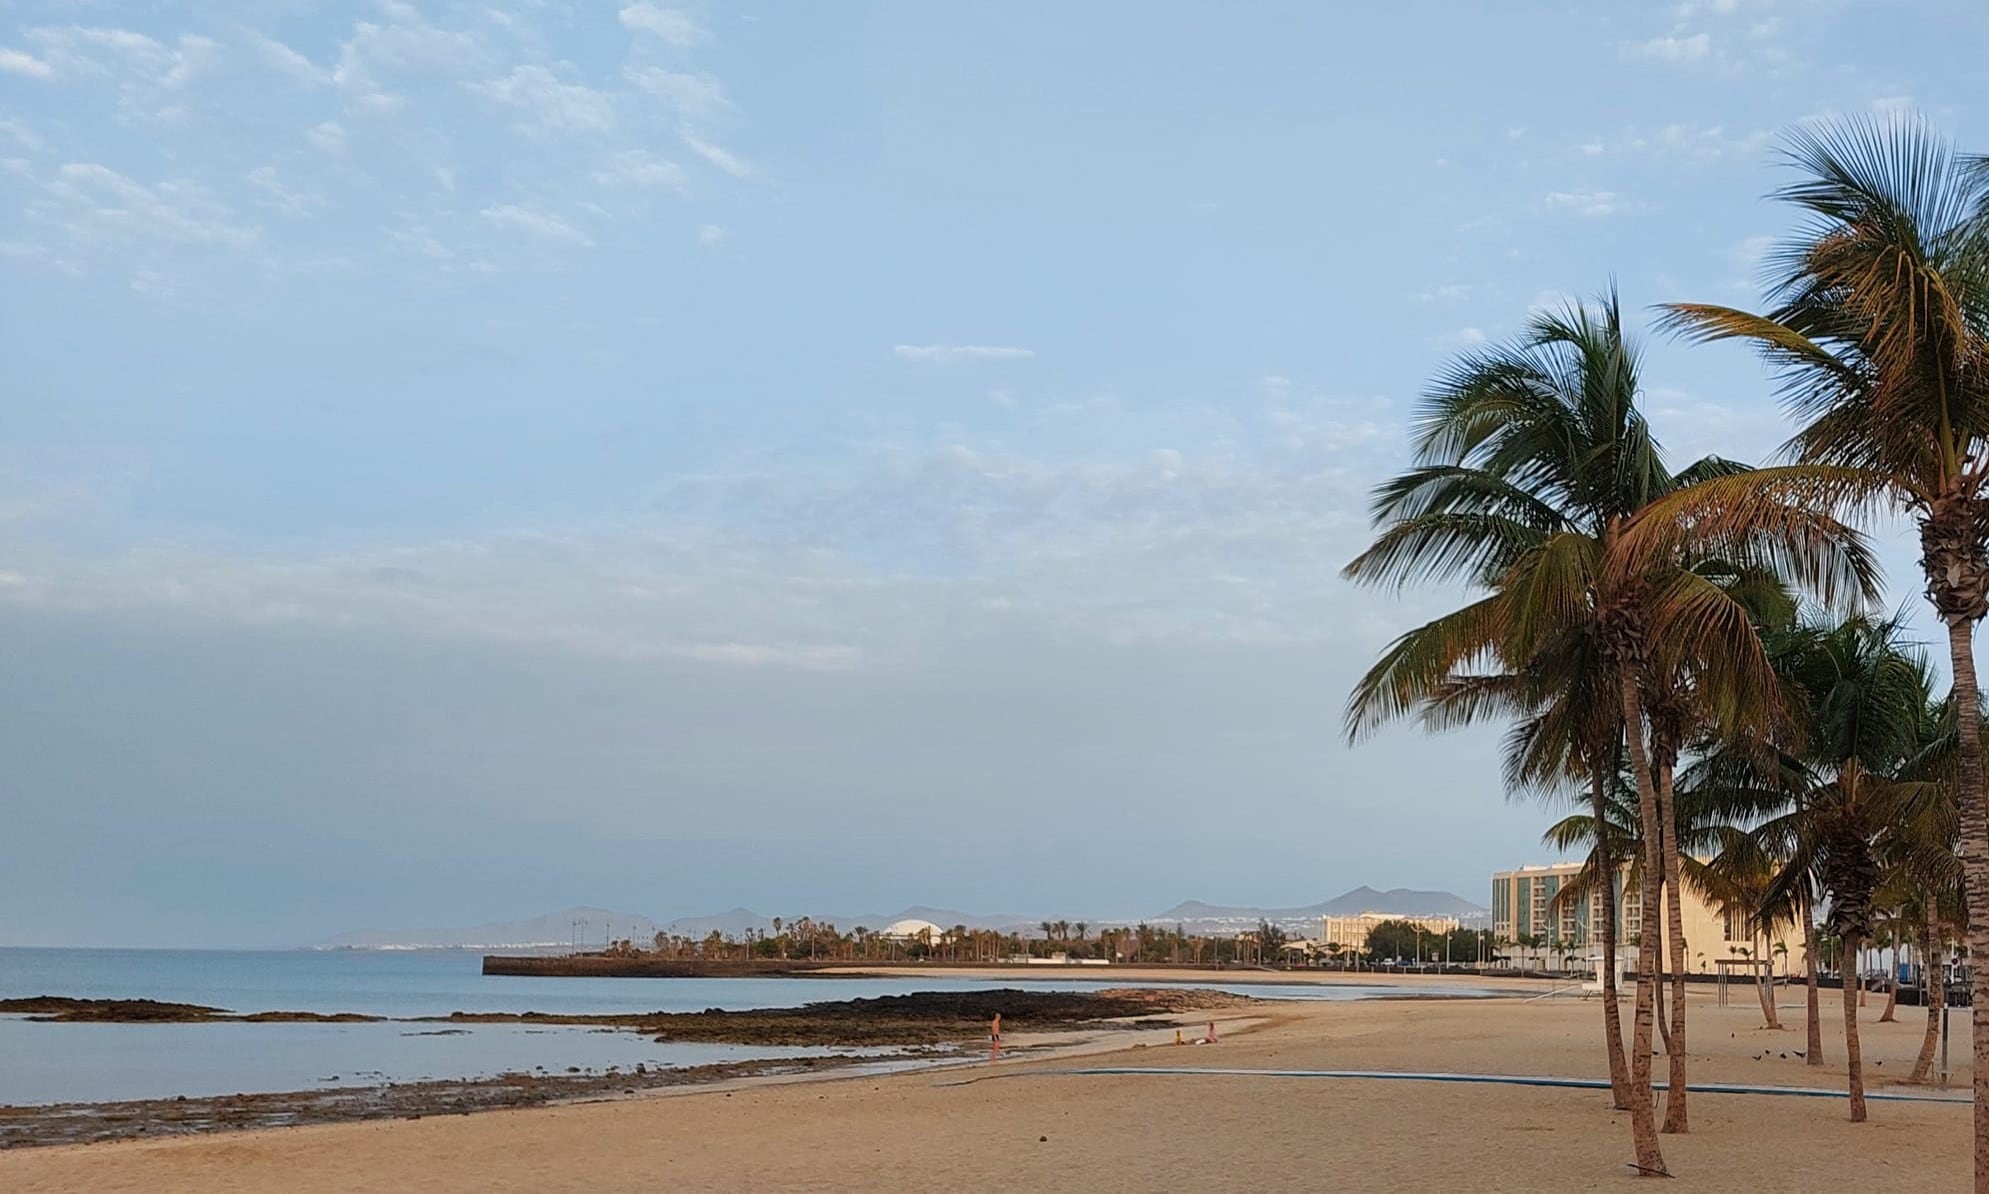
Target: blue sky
<point>463,459</point>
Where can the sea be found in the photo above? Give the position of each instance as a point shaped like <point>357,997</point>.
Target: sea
<point>69,1063</point>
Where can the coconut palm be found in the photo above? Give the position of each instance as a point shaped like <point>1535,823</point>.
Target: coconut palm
<point>1538,480</point>
<point>1739,878</point>
<point>1877,332</point>
<point>1923,871</point>
<point>1754,780</point>
<point>1858,701</point>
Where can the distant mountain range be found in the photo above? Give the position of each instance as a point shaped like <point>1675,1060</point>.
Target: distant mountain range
<point>570,927</point>
<point>587,926</point>
<point>1361,899</point>
<point>1196,917</point>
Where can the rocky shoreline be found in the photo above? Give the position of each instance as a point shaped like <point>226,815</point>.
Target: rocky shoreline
<point>924,1026</point>
<point>924,1017</point>
<point>138,1119</point>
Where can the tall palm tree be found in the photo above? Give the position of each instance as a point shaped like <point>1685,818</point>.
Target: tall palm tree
<point>1754,780</point>
<point>1537,480</point>
<point>1923,869</point>
<point>1877,332</point>
<point>1858,701</point>
<point>1739,878</point>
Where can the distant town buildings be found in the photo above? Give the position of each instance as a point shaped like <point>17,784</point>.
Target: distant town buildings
<point>1351,932</point>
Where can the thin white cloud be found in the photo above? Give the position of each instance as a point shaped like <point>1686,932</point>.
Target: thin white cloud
<point>1691,47</point>
<point>711,234</point>
<point>692,95</point>
<point>638,168</point>
<point>392,114</point>
<point>84,48</point>
<point>20,133</point>
<point>106,206</point>
<point>834,657</point>
<point>1554,301</point>
<point>1752,250</point>
<point>16,62</point>
<point>420,241</point>
<point>670,25</point>
<point>550,104</point>
<point>143,65</point>
<point>722,158</point>
<point>283,196</point>
<point>1587,203</point>
<point>1234,538</point>
<point>285,60</point>
<point>1448,292</point>
<point>329,136</point>
<point>947,354</point>
<point>402,48</point>
<point>535,223</point>
<point>1692,142</point>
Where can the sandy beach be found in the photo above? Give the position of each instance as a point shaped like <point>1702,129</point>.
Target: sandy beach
<point>1027,1125</point>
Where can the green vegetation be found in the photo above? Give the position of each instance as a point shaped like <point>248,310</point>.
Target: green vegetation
<point>810,940</point>
<point>1392,939</point>
<point>1692,652</point>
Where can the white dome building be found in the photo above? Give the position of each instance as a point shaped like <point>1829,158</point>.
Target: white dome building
<point>913,929</point>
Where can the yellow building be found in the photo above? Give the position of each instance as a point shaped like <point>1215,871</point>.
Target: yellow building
<point>1351,932</point>
<point>1528,914</point>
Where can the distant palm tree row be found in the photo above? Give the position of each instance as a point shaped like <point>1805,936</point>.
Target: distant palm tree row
<point>1695,649</point>
<point>808,939</point>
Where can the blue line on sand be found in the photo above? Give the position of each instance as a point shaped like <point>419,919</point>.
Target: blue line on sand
<point>1809,1092</point>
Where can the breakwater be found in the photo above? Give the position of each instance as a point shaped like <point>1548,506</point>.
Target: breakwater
<point>647,966</point>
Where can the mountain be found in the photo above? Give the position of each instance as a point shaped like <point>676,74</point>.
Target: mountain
<point>1399,899</point>
<point>725,924</point>
<point>1194,916</point>
<point>593,927</point>
<point>582,925</point>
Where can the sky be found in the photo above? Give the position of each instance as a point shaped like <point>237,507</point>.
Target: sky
<point>463,460</point>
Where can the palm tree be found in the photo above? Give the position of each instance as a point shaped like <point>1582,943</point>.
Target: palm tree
<point>1527,453</point>
<point>1877,332</point>
<point>1858,701</point>
<point>1739,878</point>
<point>1753,780</point>
<point>1923,871</point>
<point>1538,480</point>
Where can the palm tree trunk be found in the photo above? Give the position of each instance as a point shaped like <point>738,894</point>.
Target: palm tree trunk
<point>1933,993</point>
<point>1815,1054</point>
<point>1659,985</point>
<point>1854,1063</point>
<point>1654,925</point>
<point>1764,985</point>
<point>1612,1015</point>
<point>1974,861</point>
<point>1674,1104</point>
<point>1643,1121</point>
<point>1891,996</point>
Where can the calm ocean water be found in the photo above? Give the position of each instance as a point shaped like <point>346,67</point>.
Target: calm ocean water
<point>49,1063</point>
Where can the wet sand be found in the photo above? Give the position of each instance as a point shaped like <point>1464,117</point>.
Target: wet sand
<point>1024,1126</point>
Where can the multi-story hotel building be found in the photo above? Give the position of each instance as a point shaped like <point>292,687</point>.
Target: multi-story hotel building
<point>1524,908</point>
<point>1351,932</point>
